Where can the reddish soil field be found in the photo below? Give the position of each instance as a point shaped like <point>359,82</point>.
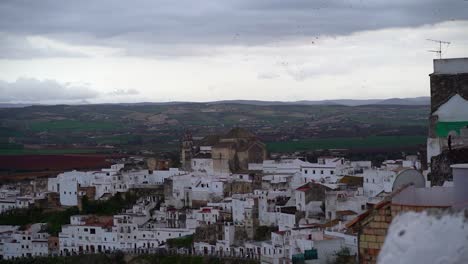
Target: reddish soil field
<point>54,162</point>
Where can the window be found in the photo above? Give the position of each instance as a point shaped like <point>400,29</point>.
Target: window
<point>331,172</point>
<point>92,231</point>
<point>305,171</point>
<point>321,172</point>
<point>313,172</point>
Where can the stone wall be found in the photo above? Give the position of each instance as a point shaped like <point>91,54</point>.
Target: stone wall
<point>444,86</point>
<point>440,165</point>
<point>209,233</point>
<point>373,229</point>
<point>372,235</point>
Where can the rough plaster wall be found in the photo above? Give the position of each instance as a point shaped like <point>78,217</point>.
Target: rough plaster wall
<point>426,238</point>
<point>440,165</point>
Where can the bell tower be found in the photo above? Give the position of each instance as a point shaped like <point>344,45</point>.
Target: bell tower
<point>186,150</point>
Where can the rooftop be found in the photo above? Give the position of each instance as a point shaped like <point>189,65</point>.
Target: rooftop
<point>436,196</point>
<point>451,66</point>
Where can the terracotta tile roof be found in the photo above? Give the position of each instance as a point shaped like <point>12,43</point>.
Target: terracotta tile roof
<point>385,202</point>
<point>346,212</point>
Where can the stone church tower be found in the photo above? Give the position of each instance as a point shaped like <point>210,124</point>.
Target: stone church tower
<point>186,150</point>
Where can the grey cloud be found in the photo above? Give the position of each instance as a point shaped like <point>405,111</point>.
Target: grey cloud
<point>118,92</point>
<point>268,75</point>
<point>32,90</point>
<point>151,26</point>
<point>19,47</point>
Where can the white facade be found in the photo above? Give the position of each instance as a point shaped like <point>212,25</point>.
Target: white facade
<point>377,181</point>
<point>29,243</point>
<point>240,204</point>
<point>346,200</point>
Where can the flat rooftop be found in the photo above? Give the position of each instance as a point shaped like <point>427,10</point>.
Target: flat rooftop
<point>451,66</point>
<point>437,196</point>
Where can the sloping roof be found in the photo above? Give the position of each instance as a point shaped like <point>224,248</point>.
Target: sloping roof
<point>251,144</point>
<point>202,156</point>
<point>309,185</point>
<point>386,202</point>
<point>209,140</point>
<point>364,215</point>
<point>345,212</point>
<point>238,132</point>
<point>352,180</point>
<point>224,145</point>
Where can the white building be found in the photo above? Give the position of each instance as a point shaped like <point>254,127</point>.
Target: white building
<point>29,243</point>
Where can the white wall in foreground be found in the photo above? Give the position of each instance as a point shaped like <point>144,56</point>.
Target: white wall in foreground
<point>422,238</point>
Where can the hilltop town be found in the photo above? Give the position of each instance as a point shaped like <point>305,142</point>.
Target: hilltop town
<point>230,199</point>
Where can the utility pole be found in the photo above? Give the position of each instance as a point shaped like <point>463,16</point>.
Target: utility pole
<point>438,51</point>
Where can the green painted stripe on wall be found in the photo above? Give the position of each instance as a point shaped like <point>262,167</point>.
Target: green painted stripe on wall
<point>443,128</point>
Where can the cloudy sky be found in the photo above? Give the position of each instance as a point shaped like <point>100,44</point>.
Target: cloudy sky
<point>54,51</point>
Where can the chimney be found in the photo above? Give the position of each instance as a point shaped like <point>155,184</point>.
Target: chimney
<point>460,182</point>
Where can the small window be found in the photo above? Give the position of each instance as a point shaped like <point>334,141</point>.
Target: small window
<point>321,172</point>
<point>305,171</point>
<point>331,172</point>
<point>92,231</point>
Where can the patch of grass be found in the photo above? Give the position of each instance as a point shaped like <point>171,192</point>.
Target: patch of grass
<point>89,259</point>
<point>4,151</point>
<point>72,125</point>
<point>55,219</point>
<point>181,242</point>
<point>110,207</point>
<point>23,217</point>
<point>263,233</point>
<point>347,143</point>
<point>119,139</point>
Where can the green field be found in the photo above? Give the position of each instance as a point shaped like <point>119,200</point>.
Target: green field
<point>75,125</point>
<point>47,151</point>
<point>346,143</point>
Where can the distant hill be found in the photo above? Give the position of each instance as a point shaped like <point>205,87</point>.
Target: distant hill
<point>2,105</point>
<point>424,100</point>
<point>406,101</point>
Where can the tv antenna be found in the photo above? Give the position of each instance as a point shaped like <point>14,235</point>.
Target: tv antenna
<point>438,51</point>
